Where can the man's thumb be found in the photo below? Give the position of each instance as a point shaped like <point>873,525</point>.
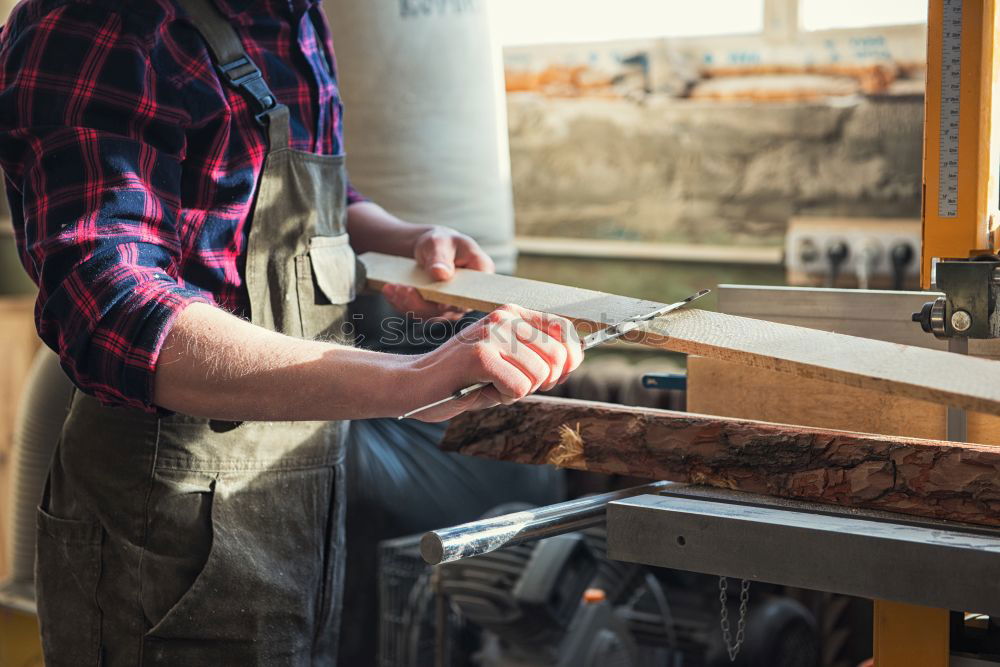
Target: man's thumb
<point>441,264</point>
<point>441,270</point>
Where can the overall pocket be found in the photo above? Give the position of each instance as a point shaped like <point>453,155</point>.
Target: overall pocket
<point>326,278</point>
<point>179,538</point>
<point>67,573</point>
<point>259,596</point>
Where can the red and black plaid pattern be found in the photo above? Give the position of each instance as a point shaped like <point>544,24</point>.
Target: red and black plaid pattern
<point>131,170</point>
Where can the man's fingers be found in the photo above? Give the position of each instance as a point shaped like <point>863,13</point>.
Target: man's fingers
<point>513,377</point>
<point>559,328</point>
<point>487,397</point>
<point>531,364</point>
<point>439,252</point>
<point>551,350</point>
<point>469,255</point>
<point>404,299</point>
<point>435,254</point>
<point>408,300</point>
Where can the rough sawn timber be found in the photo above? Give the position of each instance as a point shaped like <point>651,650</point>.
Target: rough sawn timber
<point>928,478</point>
<point>901,370</point>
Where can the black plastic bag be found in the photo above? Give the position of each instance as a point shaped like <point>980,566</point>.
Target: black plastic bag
<point>399,483</point>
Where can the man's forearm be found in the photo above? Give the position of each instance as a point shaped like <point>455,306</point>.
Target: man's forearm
<point>219,366</point>
<point>372,228</point>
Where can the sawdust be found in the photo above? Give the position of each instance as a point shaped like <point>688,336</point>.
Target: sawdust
<point>720,482</point>
<point>569,452</point>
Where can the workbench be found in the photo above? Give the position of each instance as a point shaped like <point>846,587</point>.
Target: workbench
<point>864,553</point>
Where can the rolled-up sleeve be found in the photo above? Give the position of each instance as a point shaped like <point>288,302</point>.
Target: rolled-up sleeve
<point>353,196</point>
<point>92,143</point>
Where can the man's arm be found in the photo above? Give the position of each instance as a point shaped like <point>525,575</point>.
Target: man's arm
<point>215,365</point>
<point>372,228</point>
<point>92,140</point>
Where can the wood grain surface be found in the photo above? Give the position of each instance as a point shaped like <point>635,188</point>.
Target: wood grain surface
<point>889,368</point>
<point>725,389</point>
<point>927,478</point>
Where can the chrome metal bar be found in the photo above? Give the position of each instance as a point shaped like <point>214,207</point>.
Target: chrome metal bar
<point>482,537</point>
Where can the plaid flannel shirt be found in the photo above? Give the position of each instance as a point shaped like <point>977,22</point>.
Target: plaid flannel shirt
<point>131,170</point>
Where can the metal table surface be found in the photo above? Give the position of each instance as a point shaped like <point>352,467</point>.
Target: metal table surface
<point>807,545</point>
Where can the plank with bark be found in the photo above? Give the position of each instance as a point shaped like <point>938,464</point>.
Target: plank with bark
<point>927,478</point>
<point>901,370</point>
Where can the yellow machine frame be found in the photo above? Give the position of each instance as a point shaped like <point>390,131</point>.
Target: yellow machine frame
<point>908,636</point>
<point>973,229</point>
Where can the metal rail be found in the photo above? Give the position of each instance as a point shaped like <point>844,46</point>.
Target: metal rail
<point>866,553</point>
<point>482,537</point>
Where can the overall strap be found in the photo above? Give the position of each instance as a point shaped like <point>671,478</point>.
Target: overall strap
<point>237,69</point>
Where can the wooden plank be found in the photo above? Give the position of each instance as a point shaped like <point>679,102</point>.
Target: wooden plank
<point>925,478</point>
<point>17,331</point>
<point>726,389</point>
<point>890,368</point>
<point>879,314</point>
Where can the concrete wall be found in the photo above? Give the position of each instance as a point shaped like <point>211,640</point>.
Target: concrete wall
<point>710,172</point>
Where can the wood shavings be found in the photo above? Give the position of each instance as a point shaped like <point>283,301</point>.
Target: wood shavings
<point>569,452</point>
<point>718,481</point>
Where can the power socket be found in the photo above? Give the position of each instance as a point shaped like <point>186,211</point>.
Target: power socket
<point>811,244</point>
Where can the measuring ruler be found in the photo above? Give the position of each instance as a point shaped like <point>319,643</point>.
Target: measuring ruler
<point>951,107</point>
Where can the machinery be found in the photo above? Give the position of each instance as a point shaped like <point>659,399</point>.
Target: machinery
<point>961,167</point>
<point>561,602</point>
<point>914,570</point>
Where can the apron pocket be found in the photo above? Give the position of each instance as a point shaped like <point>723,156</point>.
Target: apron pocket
<point>179,539</point>
<point>261,591</point>
<point>326,279</point>
<point>68,570</point>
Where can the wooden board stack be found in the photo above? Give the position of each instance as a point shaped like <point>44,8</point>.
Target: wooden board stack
<point>929,478</point>
<point>899,370</point>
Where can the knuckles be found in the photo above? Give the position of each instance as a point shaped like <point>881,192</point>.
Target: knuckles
<point>521,387</point>
<point>483,354</point>
<point>497,316</point>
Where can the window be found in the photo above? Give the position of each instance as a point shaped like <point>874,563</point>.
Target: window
<point>826,14</point>
<point>549,21</point>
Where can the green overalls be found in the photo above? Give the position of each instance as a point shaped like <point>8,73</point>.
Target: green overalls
<point>173,540</point>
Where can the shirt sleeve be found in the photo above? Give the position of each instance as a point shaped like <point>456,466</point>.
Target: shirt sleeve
<point>353,196</point>
<point>92,141</point>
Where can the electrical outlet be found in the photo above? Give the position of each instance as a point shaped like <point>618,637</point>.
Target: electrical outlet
<point>874,247</point>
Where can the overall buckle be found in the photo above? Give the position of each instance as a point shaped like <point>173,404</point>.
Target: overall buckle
<point>244,74</point>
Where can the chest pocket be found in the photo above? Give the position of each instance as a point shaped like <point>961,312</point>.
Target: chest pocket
<point>326,278</point>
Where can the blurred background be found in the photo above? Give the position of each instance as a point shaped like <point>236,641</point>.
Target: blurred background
<point>659,125</point>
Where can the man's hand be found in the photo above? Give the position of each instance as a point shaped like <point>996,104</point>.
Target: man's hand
<point>439,251</point>
<point>518,351</point>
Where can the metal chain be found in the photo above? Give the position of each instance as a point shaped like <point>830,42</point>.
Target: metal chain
<point>733,648</point>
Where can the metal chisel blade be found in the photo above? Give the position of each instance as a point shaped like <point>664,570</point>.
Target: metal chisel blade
<point>593,340</point>
<point>625,326</point>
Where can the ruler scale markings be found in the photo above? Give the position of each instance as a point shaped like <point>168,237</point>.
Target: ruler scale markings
<point>951,88</point>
